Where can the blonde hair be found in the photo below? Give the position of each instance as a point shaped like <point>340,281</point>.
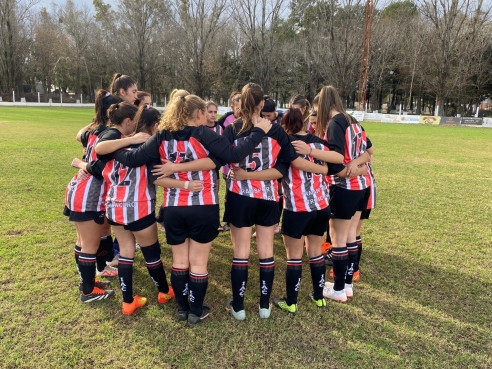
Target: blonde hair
<point>251,97</point>
<point>329,100</point>
<point>180,110</point>
<point>177,92</point>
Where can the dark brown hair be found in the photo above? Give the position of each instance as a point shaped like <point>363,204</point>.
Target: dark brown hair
<point>119,112</point>
<point>120,81</point>
<point>103,101</point>
<point>292,121</point>
<point>140,96</point>
<point>146,118</point>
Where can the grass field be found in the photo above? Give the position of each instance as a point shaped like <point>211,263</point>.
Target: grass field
<point>425,299</point>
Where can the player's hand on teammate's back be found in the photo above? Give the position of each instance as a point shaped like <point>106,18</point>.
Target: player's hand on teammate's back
<point>141,138</point>
<point>165,170</point>
<point>262,123</point>
<point>301,147</point>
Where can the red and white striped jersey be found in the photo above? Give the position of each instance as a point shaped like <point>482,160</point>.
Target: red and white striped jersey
<point>349,140</point>
<point>131,195</point>
<point>87,194</point>
<point>189,144</point>
<point>217,128</point>
<point>274,146</point>
<point>305,191</point>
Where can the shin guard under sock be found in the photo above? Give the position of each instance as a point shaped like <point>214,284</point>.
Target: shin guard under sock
<point>267,272</point>
<point>318,271</point>
<point>87,268</point>
<point>197,285</point>
<point>340,262</point>
<point>125,275</point>
<point>152,256</point>
<point>293,275</point>
<point>239,280</point>
<point>352,250</point>
<point>179,281</point>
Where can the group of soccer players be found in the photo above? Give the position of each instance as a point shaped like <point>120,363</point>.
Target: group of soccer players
<point>315,162</point>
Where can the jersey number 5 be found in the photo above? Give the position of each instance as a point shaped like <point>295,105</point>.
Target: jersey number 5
<point>254,161</point>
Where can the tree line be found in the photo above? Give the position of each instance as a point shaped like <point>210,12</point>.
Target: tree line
<point>423,52</point>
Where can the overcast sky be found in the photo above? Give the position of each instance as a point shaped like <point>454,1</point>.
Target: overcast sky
<point>47,3</point>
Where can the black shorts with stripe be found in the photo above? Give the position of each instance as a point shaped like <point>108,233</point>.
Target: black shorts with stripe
<point>198,222</point>
<point>305,223</point>
<point>244,211</point>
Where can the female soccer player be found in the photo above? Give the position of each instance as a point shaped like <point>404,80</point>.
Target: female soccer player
<point>143,98</point>
<point>130,205</point>
<point>191,219</point>
<point>211,116</point>
<point>124,87</point>
<point>85,206</point>
<point>257,200</point>
<point>347,195</point>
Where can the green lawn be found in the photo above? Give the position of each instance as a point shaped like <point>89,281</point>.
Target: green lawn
<point>425,299</point>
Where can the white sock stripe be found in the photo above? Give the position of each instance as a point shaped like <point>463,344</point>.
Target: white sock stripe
<point>267,262</point>
<point>85,258</point>
<point>334,252</point>
<point>153,262</point>
<point>198,275</point>
<point>317,258</point>
<point>126,259</point>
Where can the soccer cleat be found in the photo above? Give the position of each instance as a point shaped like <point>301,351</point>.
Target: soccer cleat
<point>164,298</point>
<point>129,308</point>
<point>325,248</point>
<point>97,294</point>
<point>194,319</point>
<point>239,315</point>
<point>349,289</point>
<point>265,313</point>
<point>114,262</point>
<point>282,304</point>
<point>331,294</point>
<point>356,276</point>
<point>108,271</point>
<point>183,315</point>
<point>332,273</point>
<point>97,283</point>
<point>321,303</point>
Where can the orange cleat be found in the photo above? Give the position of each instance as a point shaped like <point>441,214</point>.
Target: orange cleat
<point>138,302</point>
<point>164,298</point>
<point>356,276</point>
<point>325,247</point>
<point>332,274</point>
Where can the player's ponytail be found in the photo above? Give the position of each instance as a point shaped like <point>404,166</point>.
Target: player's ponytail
<point>292,121</point>
<point>103,101</point>
<point>251,98</point>
<point>119,112</point>
<point>180,110</point>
